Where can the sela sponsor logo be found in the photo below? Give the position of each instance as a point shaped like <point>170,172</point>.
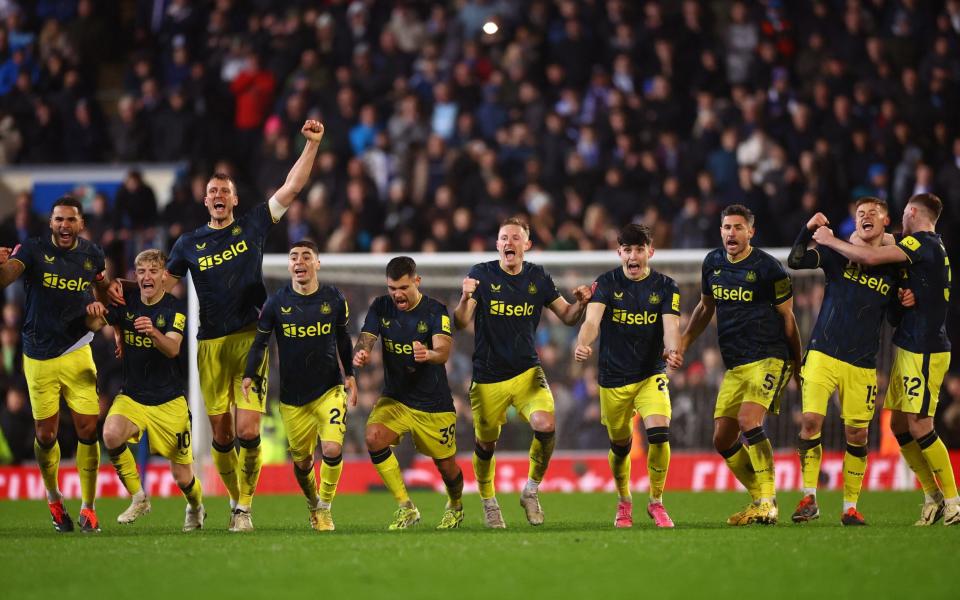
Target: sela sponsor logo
<point>624,317</point>
<point>502,309</point>
<point>854,273</point>
<point>132,338</point>
<point>301,331</point>
<point>213,260</point>
<point>726,293</point>
<point>397,347</point>
<point>56,282</point>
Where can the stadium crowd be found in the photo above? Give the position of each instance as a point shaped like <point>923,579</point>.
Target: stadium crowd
<point>582,115</point>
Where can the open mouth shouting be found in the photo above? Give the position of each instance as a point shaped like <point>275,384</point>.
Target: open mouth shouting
<point>65,237</point>
<point>633,269</point>
<point>401,301</point>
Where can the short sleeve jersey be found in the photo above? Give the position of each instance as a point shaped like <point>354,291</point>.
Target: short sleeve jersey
<point>305,327</point>
<point>149,377</point>
<point>421,386</point>
<point>506,318</point>
<point>227,270</point>
<point>57,284</point>
<point>923,328</point>
<point>631,330</point>
<point>855,300</point>
<point>746,293</point>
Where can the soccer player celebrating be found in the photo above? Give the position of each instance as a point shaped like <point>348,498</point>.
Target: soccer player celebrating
<point>151,399</point>
<point>506,297</point>
<point>225,261</point>
<point>636,312</point>
<point>310,322</point>
<point>842,353</point>
<point>58,273</point>
<point>760,345</point>
<point>921,349</point>
<point>416,342</point>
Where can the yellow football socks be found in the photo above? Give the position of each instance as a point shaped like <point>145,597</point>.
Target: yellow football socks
<point>854,468</point>
<point>912,453</point>
<point>227,463</point>
<point>935,453</point>
<point>307,480</point>
<point>88,465</point>
<point>811,456</point>
<point>658,460</point>
<point>738,459</point>
<point>330,471</point>
<point>389,469</point>
<point>541,449</point>
<point>48,459</point>
<point>619,459</point>
<point>250,461</point>
<point>193,492</point>
<point>761,455</point>
<point>126,467</point>
<point>485,469</point>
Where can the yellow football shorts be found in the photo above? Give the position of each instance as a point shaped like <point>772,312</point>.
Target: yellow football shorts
<point>221,362</point>
<point>915,381</point>
<point>528,392</point>
<point>325,417</point>
<point>434,434</point>
<point>618,405</point>
<point>857,387</point>
<point>167,426</point>
<point>761,382</point>
<point>72,374</point>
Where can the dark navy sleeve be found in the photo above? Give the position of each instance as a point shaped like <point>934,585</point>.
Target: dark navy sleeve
<point>550,291</point>
<point>343,310</point>
<point>440,320</point>
<point>259,220</point>
<point>26,253</point>
<point>258,349</point>
<point>476,273</point>
<point>371,324</point>
<point>601,290</point>
<point>177,262</point>
<point>177,320</point>
<point>704,279</point>
<point>912,247</point>
<point>780,282</point>
<point>671,298</point>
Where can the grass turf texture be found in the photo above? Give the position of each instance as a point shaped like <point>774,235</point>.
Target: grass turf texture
<point>576,553</point>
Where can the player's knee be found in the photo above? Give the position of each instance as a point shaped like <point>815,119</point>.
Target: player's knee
<point>920,427</point>
<point>658,435</point>
<point>809,427</point>
<point>248,430</point>
<point>542,421</point>
<point>374,440</point>
<point>182,474</point>
<point>47,437</point>
<point>484,450</point>
<point>330,449</point>
<point>447,467</point>
<point>620,448</point>
<point>748,422</point>
<point>87,429</point>
<point>856,436</point>
<point>112,438</point>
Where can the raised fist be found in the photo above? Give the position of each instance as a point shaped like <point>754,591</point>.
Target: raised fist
<point>470,286</point>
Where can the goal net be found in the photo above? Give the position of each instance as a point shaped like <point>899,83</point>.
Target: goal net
<point>693,389</point>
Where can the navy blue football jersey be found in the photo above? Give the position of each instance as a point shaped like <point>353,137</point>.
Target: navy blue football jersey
<point>923,328</point>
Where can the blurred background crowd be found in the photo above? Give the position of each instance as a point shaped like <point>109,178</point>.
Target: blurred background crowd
<point>443,117</point>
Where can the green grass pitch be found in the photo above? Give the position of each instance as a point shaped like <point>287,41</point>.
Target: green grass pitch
<point>576,554</point>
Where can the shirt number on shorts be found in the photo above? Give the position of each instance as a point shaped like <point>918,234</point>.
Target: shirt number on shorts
<point>911,385</point>
<point>337,417</point>
<point>769,381</point>
<point>871,396</point>
<point>661,384</point>
<point>448,434</point>
<point>183,440</point>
